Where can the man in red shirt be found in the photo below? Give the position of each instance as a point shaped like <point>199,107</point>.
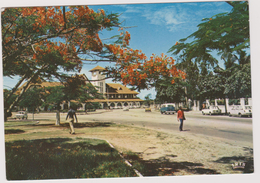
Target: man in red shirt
<point>180,117</point>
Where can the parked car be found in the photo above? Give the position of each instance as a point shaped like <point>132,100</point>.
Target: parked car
<point>168,105</point>
<point>21,115</point>
<point>170,109</point>
<point>211,110</point>
<point>238,110</point>
<point>148,109</point>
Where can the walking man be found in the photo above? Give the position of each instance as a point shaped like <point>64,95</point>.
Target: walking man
<point>70,115</point>
<point>180,117</point>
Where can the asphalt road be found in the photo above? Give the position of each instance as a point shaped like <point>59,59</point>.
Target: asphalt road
<point>237,129</point>
<point>230,128</point>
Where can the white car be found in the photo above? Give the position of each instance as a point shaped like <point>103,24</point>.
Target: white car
<point>211,110</point>
<point>21,115</point>
<point>238,110</point>
<point>168,105</point>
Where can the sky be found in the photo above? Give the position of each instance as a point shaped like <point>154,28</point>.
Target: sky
<point>154,27</point>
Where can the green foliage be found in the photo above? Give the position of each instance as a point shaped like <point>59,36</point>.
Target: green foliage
<point>238,85</point>
<point>147,100</point>
<point>11,99</point>
<point>212,86</point>
<point>93,105</point>
<point>227,34</point>
<point>74,89</point>
<point>32,98</point>
<point>59,159</point>
<point>168,92</point>
<point>54,95</point>
<point>234,102</point>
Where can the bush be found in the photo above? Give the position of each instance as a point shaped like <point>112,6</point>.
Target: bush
<point>234,102</point>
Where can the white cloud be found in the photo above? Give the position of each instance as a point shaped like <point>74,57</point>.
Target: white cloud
<point>133,9</point>
<point>144,93</point>
<point>171,17</point>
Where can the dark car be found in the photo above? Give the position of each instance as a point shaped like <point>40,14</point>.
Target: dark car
<point>167,110</point>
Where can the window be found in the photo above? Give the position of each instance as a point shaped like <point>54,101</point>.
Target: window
<point>101,87</point>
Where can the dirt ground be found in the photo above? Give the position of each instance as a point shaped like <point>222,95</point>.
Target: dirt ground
<point>165,153</point>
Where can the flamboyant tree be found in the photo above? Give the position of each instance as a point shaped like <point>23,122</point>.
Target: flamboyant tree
<point>46,41</point>
<point>50,42</point>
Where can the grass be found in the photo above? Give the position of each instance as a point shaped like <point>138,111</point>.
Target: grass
<point>63,158</point>
<point>19,123</point>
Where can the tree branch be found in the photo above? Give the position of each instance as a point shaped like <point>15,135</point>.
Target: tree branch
<point>64,17</point>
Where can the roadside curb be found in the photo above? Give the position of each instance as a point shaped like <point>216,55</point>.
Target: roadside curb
<point>120,154</point>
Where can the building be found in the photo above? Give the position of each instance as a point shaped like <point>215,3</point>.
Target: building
<point>115,95</point>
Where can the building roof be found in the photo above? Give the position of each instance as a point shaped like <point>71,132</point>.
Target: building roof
<point>42,84</point>
<point>47,84</point>
<point>97,68</point>
<point>116,88</point>
<point>116,100</point>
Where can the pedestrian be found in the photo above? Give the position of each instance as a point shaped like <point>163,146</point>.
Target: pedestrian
<point>180,117</point>
<point>71,114</point>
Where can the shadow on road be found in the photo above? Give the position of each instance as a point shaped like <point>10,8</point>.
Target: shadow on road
<point>164,167</point>
<point>240,163</point>
<point>186,130</point>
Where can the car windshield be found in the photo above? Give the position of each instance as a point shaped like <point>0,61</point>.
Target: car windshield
<point>248,107</point>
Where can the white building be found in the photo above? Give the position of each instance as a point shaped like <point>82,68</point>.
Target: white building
<point>115,95</point>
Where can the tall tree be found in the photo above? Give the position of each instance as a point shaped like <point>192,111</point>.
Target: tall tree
<point>32,99</point>
<point>74,88</point>
<point>29,47</point>
<point>228,35</point>
<point>50,42</point>
<point>148,100</point>
<point>169,92</point>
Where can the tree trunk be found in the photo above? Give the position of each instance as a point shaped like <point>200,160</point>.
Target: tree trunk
<point>15,88</point>
<point>10,108</point>
<point>58,116</point>
<point>6,107</point>
<point>225,103</point>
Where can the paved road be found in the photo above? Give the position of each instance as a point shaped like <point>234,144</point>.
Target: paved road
<point>229,128</point>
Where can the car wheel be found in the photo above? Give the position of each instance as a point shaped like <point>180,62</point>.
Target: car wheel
<point>239,115</point>
<point>203,113</point>
<point>209,113</point>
